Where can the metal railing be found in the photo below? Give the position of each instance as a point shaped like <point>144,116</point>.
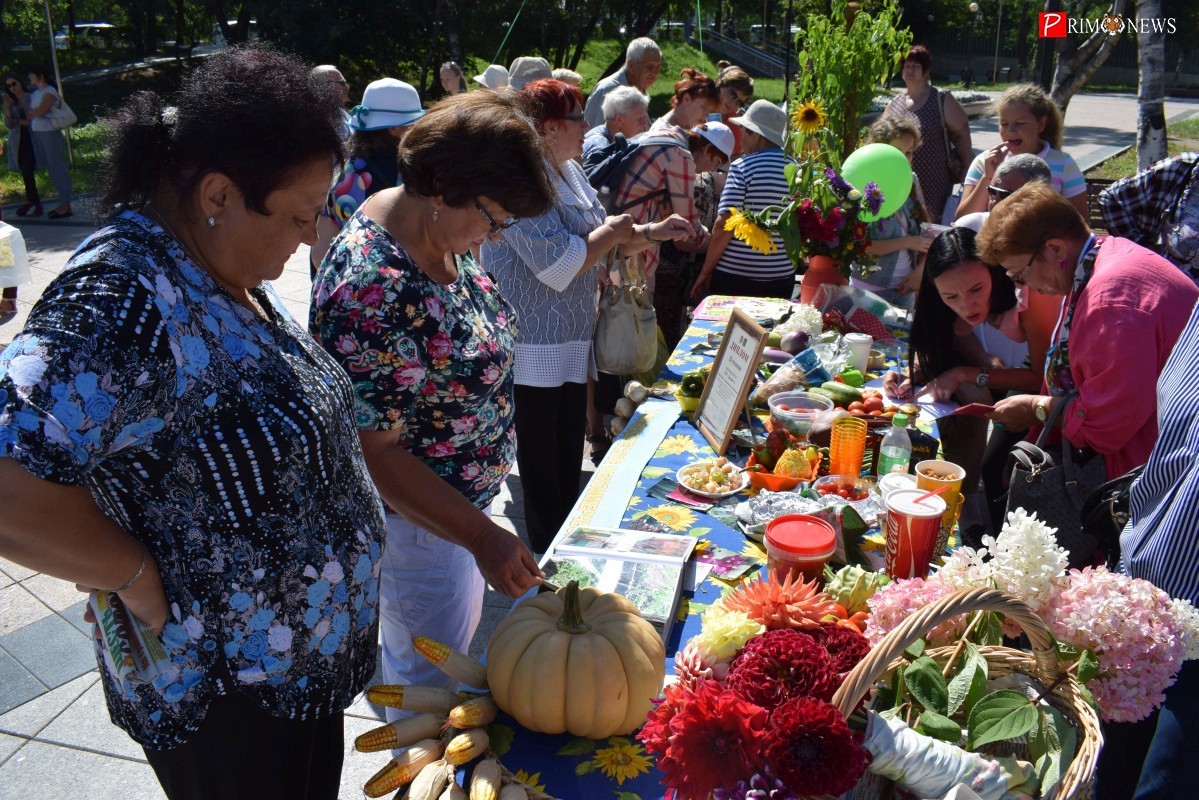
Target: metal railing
<point>752,59</point>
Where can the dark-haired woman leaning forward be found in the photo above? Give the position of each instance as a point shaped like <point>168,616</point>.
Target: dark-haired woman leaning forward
<point>169,433</point>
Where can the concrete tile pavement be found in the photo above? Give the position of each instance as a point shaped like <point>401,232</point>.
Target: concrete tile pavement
<point>55,736</point>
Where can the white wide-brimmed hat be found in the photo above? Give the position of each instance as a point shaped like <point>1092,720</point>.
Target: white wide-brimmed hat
<point>765,119</point>
<point>386,103</point>
<point>494,77</point>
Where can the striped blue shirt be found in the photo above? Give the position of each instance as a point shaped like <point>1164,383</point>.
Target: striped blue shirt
<point>755,182</point>
<point>1161,543</point>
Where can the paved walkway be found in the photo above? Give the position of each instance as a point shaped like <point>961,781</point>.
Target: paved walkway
<point>55,737</point>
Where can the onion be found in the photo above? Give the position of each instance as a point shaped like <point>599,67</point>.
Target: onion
<point>625,407</point>
<point>635,391</point>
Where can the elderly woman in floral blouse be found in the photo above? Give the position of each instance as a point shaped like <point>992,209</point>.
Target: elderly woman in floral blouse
<point>428,342</point>
<point>170,434</point>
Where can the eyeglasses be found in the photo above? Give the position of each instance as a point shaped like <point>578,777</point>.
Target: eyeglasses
<point>1019,279</point>
<point>998,194</point>
<point>13,85</point>
<point>496,227</point>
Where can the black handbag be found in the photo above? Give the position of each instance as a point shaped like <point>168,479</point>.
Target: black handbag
<point>1107,510</point>
<point>1056,487</point>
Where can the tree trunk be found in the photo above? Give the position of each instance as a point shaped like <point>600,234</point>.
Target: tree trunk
<point>1076,63</point>
<point>1151,91</point>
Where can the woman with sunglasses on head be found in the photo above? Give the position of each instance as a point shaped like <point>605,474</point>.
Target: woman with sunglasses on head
<point>547,266</point>
<point>17,103</point>
<point>974,338</point>
<point>1125,307</point>
<point>428,344</point>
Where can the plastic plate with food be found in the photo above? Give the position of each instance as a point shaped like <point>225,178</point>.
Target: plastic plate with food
<point>714,478</point>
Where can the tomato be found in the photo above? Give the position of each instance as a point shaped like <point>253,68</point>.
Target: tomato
<point>868,393</point>
<point>783,407</point>
<point>873,404</point>
<point>855,406</point>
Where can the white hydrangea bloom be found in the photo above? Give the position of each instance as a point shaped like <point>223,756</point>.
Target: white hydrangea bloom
<point>1026,559</point>
<point>1188,621</point>
<point>803,318</point>
<point>964,568</point>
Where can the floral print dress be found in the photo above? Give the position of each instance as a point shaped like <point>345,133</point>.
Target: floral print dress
<point>432,360</point>
<point>224,443</point>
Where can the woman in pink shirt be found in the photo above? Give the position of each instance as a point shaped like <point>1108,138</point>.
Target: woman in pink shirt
<point>1124,310</point>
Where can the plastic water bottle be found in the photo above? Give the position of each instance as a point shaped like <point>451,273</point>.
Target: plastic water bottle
<point>895,452</point>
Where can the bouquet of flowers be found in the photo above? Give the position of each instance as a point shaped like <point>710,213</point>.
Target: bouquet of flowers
<point>1126,638</point>
<point>823,214</point>
<point>750,715</point>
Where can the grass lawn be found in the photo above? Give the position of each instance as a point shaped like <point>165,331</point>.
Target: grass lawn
<point>1183,136</point>
<point>86,148</point>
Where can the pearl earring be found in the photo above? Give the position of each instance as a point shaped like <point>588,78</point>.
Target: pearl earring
<point>435,213</point>
<point>212,221</point>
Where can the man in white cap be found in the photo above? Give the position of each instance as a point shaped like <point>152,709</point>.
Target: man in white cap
<point>626,111</point>
<point>494,77</point>
<point>526,69</point>
<point>754,182</point>
<point>642,62</point>
<point>332,74</point>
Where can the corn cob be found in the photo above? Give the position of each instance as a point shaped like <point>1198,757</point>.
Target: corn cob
<point>485,780</point>
<point>458,666</point>
<point>453,792</point>
<point>473,713</point>
<point>427,785</point>
<point>403,768</point>
<point>400,733</point>
<point>514,791</point>
<point>413,698</point>
<point>466,746</point>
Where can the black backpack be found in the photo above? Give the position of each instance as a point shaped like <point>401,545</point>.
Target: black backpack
<point>606,167</point>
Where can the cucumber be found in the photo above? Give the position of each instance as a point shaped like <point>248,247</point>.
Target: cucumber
<point>816,390</point>
<point>842,393</point>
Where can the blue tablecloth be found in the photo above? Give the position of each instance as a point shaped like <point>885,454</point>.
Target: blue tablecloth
<point>571,768</point>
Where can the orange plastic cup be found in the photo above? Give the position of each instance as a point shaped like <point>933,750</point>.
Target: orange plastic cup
<point>847,446</point>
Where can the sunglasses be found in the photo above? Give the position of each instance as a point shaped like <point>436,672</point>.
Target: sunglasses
<point>999,194</point>
<point>13,85</point>
<point>496,227</point>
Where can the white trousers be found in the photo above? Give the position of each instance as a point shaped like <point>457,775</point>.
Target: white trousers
<point>428,587</point>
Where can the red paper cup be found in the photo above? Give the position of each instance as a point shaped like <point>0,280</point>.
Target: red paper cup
<point>798,543</point>
<point>912,530</point>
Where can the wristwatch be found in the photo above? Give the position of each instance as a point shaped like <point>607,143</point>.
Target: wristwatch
<point>983,379</point>
<point>1042,409</point>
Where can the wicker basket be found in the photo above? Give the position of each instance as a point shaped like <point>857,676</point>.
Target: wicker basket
<point>1041,665</point>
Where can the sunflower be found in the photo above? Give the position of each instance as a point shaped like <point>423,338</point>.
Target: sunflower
<point>672,516</point>
<point>748,231</point>
<point>808,118</point>
<point>622,761</point>
<point>530,780</point>
<point>676,445</point>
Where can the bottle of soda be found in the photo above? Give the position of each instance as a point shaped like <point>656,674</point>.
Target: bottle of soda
<point>895,452</point>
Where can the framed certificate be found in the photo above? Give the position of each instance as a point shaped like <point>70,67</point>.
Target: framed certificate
<point>728,384</point>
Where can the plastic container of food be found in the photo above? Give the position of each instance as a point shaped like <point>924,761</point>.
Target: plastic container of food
<point>798,544</point>
<point>847,487</point>
<point>794,411</point>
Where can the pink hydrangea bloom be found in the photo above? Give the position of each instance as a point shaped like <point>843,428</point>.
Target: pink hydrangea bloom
<point>1131,626</point>
<point>896,601</point>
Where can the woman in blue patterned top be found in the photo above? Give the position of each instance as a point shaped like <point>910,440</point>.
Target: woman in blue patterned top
<point>169,433</point>
<point>428,342</point>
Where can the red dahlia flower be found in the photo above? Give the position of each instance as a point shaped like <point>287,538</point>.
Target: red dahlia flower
<point>845,647</point>
<point>716,741</point>
<point>655,734</point>
<point>778,665</point>
<point>811,749</point>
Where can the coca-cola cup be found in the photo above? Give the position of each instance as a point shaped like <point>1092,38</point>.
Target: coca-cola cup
<point>912,529</point>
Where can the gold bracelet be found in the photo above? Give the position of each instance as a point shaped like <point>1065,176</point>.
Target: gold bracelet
<point>141,568</point>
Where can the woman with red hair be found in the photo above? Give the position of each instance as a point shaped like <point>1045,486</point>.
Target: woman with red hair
<point>547,268</point>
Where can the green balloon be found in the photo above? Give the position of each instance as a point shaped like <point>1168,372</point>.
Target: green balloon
<point>886,166</point>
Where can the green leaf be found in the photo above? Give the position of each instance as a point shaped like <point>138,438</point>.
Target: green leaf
<point>790,170</point>
<point>577,746</point>
<point>959,687</point>
<point>1052,745</point>
<point>978,688</point>
<point>1000,715</point>
<point>627,796</point>
<point>1088,697</point>
<point>940,727</point>
<point>914,650</point>
<point>927,684</point>
<point>586,767</point>
<point>989,630</point>
<point>899,687</point>
<point>1088,666</point>
<point>656,472</point>
<point>500,738</point>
